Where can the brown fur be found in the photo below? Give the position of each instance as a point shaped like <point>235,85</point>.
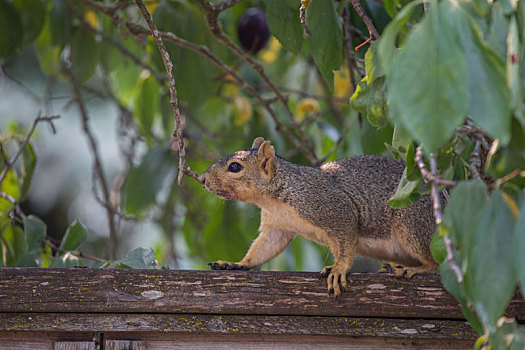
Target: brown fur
<point>342,204</point>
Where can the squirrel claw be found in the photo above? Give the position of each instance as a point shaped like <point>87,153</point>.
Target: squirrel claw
<point>336,279</point>
<point>224,265</point>
<point>325,272</point>
<point>215,266</point>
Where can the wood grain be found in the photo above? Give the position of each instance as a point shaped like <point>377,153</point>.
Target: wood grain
<point>225,292</point>
<point>238,324</point>
<point>165,309</point>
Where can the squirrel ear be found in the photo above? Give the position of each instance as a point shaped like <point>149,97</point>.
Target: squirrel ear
<point>266,158</point>
<point>257,142</point>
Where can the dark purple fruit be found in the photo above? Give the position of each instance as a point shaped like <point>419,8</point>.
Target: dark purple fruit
<point>253,30</point>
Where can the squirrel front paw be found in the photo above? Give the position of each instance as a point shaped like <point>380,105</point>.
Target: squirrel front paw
<point>225,265</point>
<point>336,278</point>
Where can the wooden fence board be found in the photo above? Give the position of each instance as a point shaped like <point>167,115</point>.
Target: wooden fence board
<point>220,292</point>
<point>166,309</point>
<point>238,324</point>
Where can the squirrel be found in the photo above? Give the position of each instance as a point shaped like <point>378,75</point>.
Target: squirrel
<point>342,204</point>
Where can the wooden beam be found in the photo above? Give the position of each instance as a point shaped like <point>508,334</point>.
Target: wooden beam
<point>237,325</point>
<point>225,292</point>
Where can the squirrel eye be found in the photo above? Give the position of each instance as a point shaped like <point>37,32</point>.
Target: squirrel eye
<point>234,167</point>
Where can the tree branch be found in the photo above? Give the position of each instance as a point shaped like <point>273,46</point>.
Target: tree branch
<point>434,178</point>
<point>184,169</point>
<point>302,16</point>
<point>80,254</point>
<point>368,22</point>
<point>13,201</point>
<point>98,171</point>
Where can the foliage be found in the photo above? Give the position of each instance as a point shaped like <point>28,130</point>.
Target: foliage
<point>447,76</point>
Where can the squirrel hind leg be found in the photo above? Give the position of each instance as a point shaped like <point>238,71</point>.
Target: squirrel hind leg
<point>392,269</point>
<point>409,271</point>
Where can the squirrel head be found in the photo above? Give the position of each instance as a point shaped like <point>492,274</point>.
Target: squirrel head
<point>244,175</point>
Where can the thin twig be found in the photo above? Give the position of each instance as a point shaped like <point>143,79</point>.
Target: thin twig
<point>98,170</point>
<point>226,4</point>
<point>473,133</point>
<point>475,161</point>
<point>302,16</point>
<point>510,176</point>
<point>15,203</point>
<point>184,169</point>
<point>9,164</point>
<point>368,22</point>
<point>434,178</point>
<point>137,29</point>
<point>434,192</point>
<point>303,93</point>
<point>80,254</point>
<point>428,176</point>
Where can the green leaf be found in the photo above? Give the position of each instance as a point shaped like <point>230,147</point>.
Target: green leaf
<point>16,244</point>
<point>369,100</point>
<point>326,42</point>
<point>47,53</point>
<point>509,6</point>
<point>497,37</point>
<point>518,342</point>
<point>147,103</point>
<point>125,81</point>
<point>26,171</point>
<point>35,232</point>
<point>145,181</point>
<point>449,281</point>
<point>32,15</point>
<point>84,53</point>
<point>57,21</point>
<point>490,276</point>
<point>372,64</point>
<point>479,7</point>
<point>504,334</point>
<point>76,234</point>
<point>466,203</point>
<point>520,247</point>
<point>139,258</point>
<point>391,7</point>
<point>428,82</point>
<point>110,57</point>
<point>406,192</point>
<point>192,71</point>
<point>400,138</point>
<point>437,246</point>
<point>284,23</point>
<point>10,187</point>
<point>11,27</point>
<point>386,46</point>
<point>489,95</point>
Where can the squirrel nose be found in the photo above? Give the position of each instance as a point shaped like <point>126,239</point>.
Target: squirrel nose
<point>202,178</point>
